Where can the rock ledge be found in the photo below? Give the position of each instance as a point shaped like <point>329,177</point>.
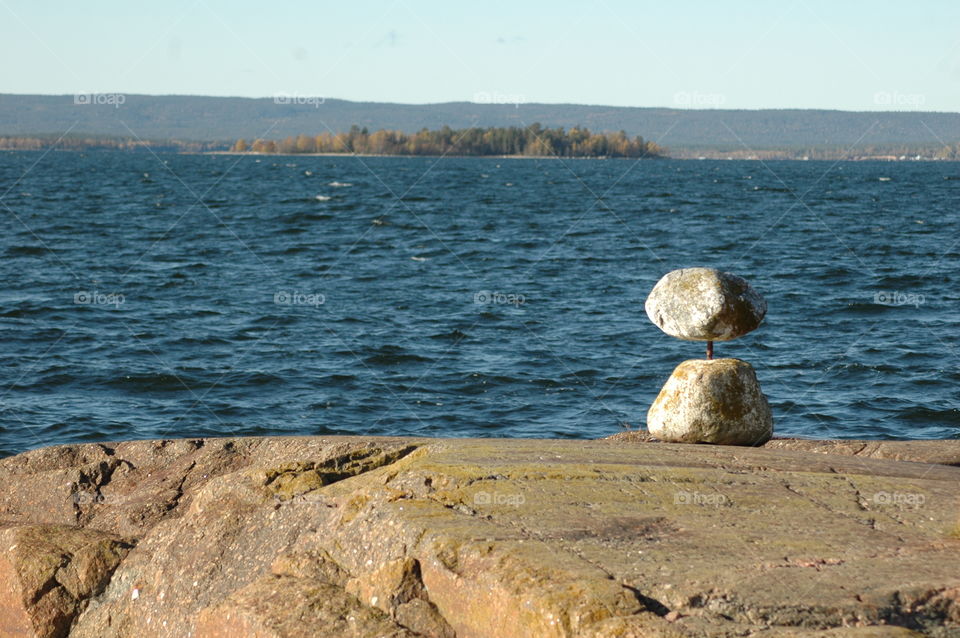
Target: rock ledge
<point>350,536</point>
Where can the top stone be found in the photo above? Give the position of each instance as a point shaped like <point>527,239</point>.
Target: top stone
<point>703,304</point>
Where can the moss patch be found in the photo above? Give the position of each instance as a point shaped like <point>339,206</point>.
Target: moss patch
<point>295,478</point>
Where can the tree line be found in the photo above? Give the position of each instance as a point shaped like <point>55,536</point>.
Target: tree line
<point>533,140</point>
<point>950,152</point>
<point>93,143</point>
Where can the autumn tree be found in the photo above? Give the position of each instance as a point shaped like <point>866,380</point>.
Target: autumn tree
<point>535,140</point>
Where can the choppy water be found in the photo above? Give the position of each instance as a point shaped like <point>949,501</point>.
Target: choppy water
<point>217,295</point>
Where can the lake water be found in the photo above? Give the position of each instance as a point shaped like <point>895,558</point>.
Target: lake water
<point>183,295</point>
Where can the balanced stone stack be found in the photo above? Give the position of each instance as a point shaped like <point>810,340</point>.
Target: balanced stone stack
<point>708,400</point>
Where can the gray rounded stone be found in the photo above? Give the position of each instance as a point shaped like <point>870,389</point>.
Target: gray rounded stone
<point>716,401</point>
<point>703,304</point>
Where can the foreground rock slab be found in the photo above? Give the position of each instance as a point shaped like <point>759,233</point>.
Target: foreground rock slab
<point>351,536</point>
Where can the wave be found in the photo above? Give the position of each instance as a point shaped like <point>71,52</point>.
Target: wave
<point>182,381</point>
<point>307,217</point>
<point>151,382</point>
<point>26,251</point>
<point>866,308</point>
<point>207,340</point>
<point>306,200</point>
<point>480,383</point>
<point>774,189</point>
<point>391,357</point>
<point>338,378</point>
<point>904,283</point>
<point>930,416</point>
<point>453,335</point>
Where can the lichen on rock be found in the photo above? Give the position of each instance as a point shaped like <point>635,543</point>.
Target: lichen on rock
<point>704,304</point>
<point>48,573</point>
<point>717,401</point>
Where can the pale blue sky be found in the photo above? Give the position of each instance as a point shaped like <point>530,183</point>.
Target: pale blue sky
<point>750,54</point>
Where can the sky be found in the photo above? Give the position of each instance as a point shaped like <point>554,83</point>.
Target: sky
<point>850,55</point>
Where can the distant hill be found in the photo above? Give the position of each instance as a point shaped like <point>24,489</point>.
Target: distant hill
<point>225,119</point>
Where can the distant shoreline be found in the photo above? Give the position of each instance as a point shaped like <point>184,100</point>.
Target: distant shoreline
<point>451,155</point>
<point>684,155</point>
<point>766,155</point>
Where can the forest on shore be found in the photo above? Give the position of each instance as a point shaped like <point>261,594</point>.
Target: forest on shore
<point>102,143</point>
<point>533,140</point>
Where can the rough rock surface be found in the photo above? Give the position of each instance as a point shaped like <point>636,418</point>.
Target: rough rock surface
<point>703,304</point>
<point>938,452</point>
<point>49,572</point>
<point>717,401</point>
<point>350,536</point>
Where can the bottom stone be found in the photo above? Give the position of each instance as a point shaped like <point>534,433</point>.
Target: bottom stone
<point>711,401</point>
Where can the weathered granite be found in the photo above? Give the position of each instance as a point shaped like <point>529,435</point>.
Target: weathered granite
<point>938,452</point>
<point>711,401</point>
<point>48,573</point>
<point>704,304</point>
<point>351,536</point>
